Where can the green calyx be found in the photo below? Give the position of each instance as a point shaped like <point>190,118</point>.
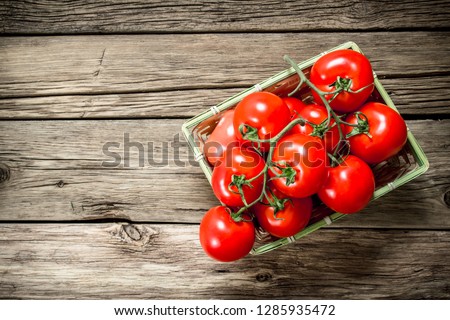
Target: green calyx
<point>286,172</point>
<point>239,181</point>
<point>342,84</point>
<point>248,132</point>
<point>362,126</point>
<point>237,217</point>
<point>320,129</point>
<point>276,203</point>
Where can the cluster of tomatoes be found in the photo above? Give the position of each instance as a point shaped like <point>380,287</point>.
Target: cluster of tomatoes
<point>271,154</point>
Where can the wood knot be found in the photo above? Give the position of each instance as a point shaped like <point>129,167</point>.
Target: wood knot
<point>132,232</point>
<point>263,277</point>
<point>446,198</point>
<point>5,173</point>
<point>60,184</point>
<point>136,235</point>
<point>364,8</point>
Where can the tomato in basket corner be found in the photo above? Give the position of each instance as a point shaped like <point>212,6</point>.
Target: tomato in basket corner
<point>349,186</point>
<point>348,71</point>
<point>382,132</point>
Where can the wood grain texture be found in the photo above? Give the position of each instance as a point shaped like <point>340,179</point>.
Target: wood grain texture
<point>52,170</point>
<point>68,65</point>
<point>105,261</point>
<point>75,75</point>
<point>49,17</point>
<point>423,96</point>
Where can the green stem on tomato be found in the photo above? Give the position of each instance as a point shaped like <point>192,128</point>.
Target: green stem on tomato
<point>349,124</point>
<point>322,95</point>
<point>361,127</point>
<point>275,139</point>
<point>260,198</point>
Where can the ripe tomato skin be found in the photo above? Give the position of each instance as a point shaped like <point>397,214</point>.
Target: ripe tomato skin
<point>222,137</point>
<point>224,239</point>
<point>388,130</point>
<point>294,105</point>
<point>307,156</point>
<point>349,186</point>
<point>317,114</point>
<point>347,64</point>
<point>288,221</point>
<point>263,111</point>
<point>238,161</point>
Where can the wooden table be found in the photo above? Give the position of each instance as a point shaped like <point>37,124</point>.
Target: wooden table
<point>77,75</point>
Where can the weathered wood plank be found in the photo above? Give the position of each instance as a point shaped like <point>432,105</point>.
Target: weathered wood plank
<point>49,17</point>
<point>94,261</point>
<point>34,154</point>
<point>52,170</point>
<point>413,96</point>
<point>42,66</point>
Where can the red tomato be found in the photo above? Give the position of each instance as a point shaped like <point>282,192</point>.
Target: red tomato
<point>263,111</point>
<point>224,239</point>
<point>294,105</point>
<point>317,115</point>
<point>347,65</point>
<point>239,162</point>
<point>349,186</point>
<point>291,219</point>
<point>388,131</point>
<point>304,156</point>
<point>222,137</point>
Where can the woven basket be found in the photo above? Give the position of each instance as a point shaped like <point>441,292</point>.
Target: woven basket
<point>408,164</point>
